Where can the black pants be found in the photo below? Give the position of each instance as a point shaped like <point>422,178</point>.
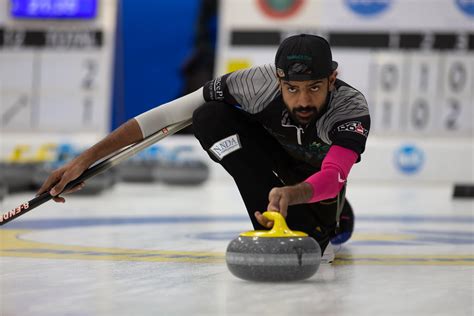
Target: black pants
<point>260,165</point>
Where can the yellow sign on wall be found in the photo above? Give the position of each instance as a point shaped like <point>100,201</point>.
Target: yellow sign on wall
<point>237,64</point>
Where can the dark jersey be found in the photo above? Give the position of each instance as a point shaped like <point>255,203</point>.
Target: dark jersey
<point>344,121</point>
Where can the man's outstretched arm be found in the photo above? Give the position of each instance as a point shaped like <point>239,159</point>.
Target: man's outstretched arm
<point>128,133</point>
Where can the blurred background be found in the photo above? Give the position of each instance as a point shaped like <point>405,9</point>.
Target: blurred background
<point>73,70</point>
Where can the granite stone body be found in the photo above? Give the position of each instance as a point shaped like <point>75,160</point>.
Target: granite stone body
<point>273,259</point>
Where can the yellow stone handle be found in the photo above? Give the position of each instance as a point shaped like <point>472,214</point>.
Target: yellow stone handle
<point>279,229</point>
<point>45,152</point>
<point>17,155</point>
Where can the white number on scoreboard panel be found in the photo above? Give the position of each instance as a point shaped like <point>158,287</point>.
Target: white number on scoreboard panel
<point>16,79</point>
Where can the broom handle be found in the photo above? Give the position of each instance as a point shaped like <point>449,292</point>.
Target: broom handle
<point>97,169</point>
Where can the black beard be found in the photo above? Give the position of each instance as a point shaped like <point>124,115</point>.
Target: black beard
<point>300,108</point>
<point>304,109</point>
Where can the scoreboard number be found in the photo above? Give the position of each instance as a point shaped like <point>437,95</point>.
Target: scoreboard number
<point>427,93</point>
<point>421,90</point>
<point>457,100</point>
<point>387,90</point>
<point>88,85</point>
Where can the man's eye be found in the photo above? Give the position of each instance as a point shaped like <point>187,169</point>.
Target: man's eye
<point>291,90</point>
<point>314,89</point>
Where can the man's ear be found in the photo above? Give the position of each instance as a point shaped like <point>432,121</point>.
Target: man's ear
<point>332,80</point>
<point>280,84</point>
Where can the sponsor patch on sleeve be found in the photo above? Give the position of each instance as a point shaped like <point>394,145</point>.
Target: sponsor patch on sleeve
<point>226,146</point>
<point>216,91</point>
<point>353,126</point>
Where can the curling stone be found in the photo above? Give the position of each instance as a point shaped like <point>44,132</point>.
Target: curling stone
<point>273,256</point>
<point>19,169</point>
<point>3,189</point>
<point>16,170</point>
<point>135,170</point>
<point>141,168</point>
<point>185,172</point>
<point>179,167</point>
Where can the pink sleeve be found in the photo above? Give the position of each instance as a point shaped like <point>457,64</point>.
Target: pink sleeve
<point>329,181</point>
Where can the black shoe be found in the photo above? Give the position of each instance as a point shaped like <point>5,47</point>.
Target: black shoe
<point>346,225</point>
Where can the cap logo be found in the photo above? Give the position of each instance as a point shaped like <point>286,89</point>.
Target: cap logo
<point>299,57</point>
<point>280,73</point>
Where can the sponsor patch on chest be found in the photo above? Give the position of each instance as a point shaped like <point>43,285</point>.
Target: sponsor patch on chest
<point>226,146</point>
<point>353,126</point>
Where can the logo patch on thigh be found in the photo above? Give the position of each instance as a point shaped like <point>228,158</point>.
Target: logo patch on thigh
<point>226,146</point>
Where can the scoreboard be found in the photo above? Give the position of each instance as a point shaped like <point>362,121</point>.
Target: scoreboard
<point>422,93</point>
<point>56,65</point>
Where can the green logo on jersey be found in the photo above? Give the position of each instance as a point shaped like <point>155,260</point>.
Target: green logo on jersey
<point>320,149</point>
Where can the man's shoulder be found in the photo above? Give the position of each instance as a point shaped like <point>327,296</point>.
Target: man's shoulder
<point>253,88</point>
<point>343,89</point>
<point>347,111</point>
<point>250,88</point>
<point>347,97</point>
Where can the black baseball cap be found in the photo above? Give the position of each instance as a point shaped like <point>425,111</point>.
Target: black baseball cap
<point>304,57</point>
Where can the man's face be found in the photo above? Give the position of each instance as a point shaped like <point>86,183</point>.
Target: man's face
<point>305,99</point>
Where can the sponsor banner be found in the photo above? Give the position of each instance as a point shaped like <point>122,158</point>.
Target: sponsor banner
<point>368,8</point>
<point>466,6</point>
<point>416,159</point>
<point>349,14</point>
<point>281,9</point>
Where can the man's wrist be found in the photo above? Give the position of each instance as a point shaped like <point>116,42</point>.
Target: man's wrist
<point>300,193</point>
<point>86,159</point>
